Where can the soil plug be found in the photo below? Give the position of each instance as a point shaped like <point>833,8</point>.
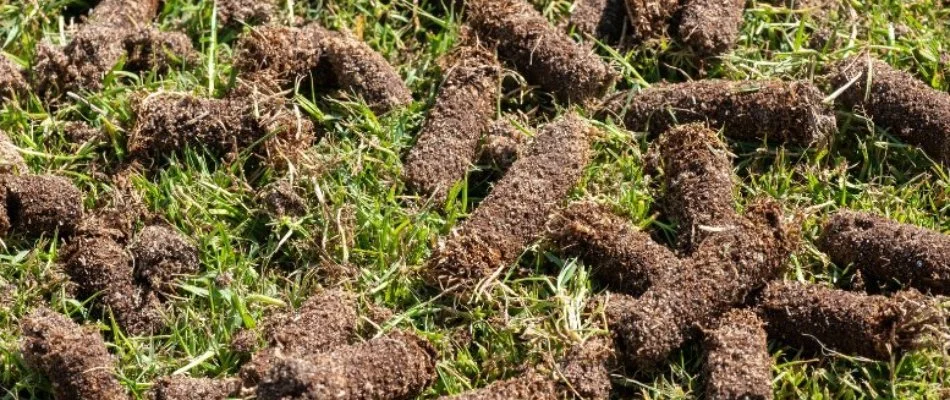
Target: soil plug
<point>711,27</point>
<point>737,364</point>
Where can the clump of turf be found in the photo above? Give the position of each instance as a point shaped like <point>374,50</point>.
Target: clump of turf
<point>649,19</point>
<point>72,357</point>
<point>161,255</point>
<point>787,112</point>
<point>12,80</point>
<point>180,387</point>
<point>279,54</point>
<point>815,317</point>
<point>710,27</point>
<point>251,12</point>
<point>889,252</point>
<point>737,364</point>
<point>513,215</point>
<point>395,366</point>
<point>908,108</point>
<point>541,53</point>
<point>624,258</point>
<point>42,204</point>
<point>603,20</point>
<point>698,182</point>
<point>501,145</point>
<point>463,110</point>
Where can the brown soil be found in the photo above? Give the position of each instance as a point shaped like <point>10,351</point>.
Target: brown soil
<point>43,204</point>
<point>737,363</point>
<point>698,182</point>
<point>501,145</point>
<point>650,19</point>
<point>73,358</point>
<point>541,53</point>
<point>908,108</point>
<point>11,162</point>
<point>780,111</point>
<point>357,67</point>
<point>162,256</point>
<point>79,132</point>
<point>623,258</point>
<point>12,79</point>
<point>5,224</point>
<point>179,387</point>
<point>463,111</point>
<point>513,215</point>
<point>532,385</point>
<point>278,53</point>
<point>396,366</point>
<point>710,27</point>
<point>233,13</point>
<point>889,252</point>
<point>126,14</point>
<point>815,317</point>
<point>724,270</point>
<point>280,199</point>
<point>604,20</point>
<point>149,48</point>
<point>324,321</point>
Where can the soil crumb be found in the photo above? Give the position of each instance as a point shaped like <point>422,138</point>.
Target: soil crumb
<point>501,145</point>
<point>603,20</point>
<point>541,53</point>
<point>43,204</point>
<point>357,67</point>
<point>622,257</point>
<point>12,80</point>
<point>322,322</point>
<point>789,112</point>
<point>395,366</point>
<point>463,111</point>
<point>889,252</point>
<point>162,256</point>
<point>11,162</point>
<point>698,182</point>
<point>908,108</point>
<point>279,55</point>
<point>513,215</point>
<point>814,317</point>
<point>650,19</point>
<point>737,364</point>
<point>234,13</point>
<point>720,275</point>
<point>280,199</point>
<point>72,357</point>
<point>179,387</point>
<point>710,27</point>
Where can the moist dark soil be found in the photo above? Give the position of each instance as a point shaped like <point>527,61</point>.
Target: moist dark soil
<point>650,19</point>
<point>395,366</point>
<point>179,387</point>
<point>12,79</point>
<point>779,111</point>
<point>513,215</point>
<point>11,162</point>
<point>720,275</point>
<point>501,145</point>
<point>737,364</point>
<point>697,181</point>
<point>544,55</point>
<point>43,204</point>
<point>279,55</point>
<point>604,20</point>
<point>464,108</point>
<point>323,322</point>
<point>72,357</point>
<point>888,252</point>
<point>624,259</point>
<point>234,13</point>
<point>710,27</point>
<point>162,256</point>
<point>814,317</point>
<point>280,199</point>
<point>896,101</point>
<point>358,68</point>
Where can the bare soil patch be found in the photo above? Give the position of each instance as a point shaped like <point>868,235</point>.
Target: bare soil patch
<point>710,27</point>
<point>737,363</point>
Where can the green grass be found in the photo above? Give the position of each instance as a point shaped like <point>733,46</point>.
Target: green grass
<point>361,216</point>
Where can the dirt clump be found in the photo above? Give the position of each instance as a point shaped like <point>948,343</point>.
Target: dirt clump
<point>280,199</point>
<point>513,215</point>
<point>12,79</point>
<point>697,182</point>
<point>72,357</point>
<point>356,67</point>
<point>541,53</point>
<point>501,145</point>
<point>179,387</point>
<point>150,48</point>
<point>785,112</point>
<point>11,162</point>
<point>889,252</point>
<point>650,19</point>
<point>622,257</point>
<point>41,204</point>
<point>463,111</point>
<point>710,27</point>
<point>604,20</point>
<point>161,255</point>
<point>815,317</point>
<point>723,271</point>
<point>123,13</point>
<point>279,54</point>
<point>233,13</point>
<point>908,108</point>
<point>737,364</point>
<point>79,132</point>
<point>531,385</point>
<point>395,366</point>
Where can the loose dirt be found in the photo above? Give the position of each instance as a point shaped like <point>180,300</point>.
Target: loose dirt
<point>43,204</point>
<point>11,162</point>
<point>280,199</point>
<point>888,252</point>
<point>501,145</point>
<point>650,19</point>
<point>542,54</point>
<point>179,387</point>
<point>791,112</point>
<point>814,317</point>
<point>279,55</point>
<point>234,13</point>
<point>392,367</point>
<point>12,79</point>
<point>463,110</point>
<point>698,182</point>
<point>357,67</point>
<point>624,258</point>
<point>737,363</point>
<point>73,358</point>
<point>908,108</point>
<point>513,215</point>
<point>603,20</point>
<point>123,13</point>
<point>531,385</point>
<point>710,27</point>
<point>162,256</point>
